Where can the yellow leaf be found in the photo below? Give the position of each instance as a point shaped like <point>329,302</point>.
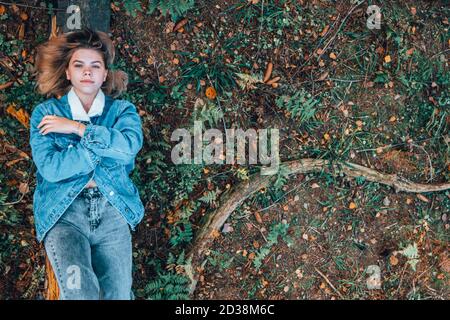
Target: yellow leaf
<point>333,56</point>
<point>387,59</point>
<point>352,205</point>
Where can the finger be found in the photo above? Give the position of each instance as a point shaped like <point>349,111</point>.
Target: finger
<point>44,121</point>
<point>45,129</point>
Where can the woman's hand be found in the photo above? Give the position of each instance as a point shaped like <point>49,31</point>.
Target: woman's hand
<point>59,125</point>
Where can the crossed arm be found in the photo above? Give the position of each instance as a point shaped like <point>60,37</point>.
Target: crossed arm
<point>121,142</point>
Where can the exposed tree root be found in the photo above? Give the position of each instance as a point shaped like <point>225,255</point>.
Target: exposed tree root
<point>244,190</point>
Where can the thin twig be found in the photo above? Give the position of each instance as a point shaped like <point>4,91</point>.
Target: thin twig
<point>329,283</point>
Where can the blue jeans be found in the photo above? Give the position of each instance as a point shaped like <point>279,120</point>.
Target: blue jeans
<point>90,250</point>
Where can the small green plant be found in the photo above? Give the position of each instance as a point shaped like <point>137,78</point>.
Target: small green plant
<point>131,6</point>
<point>221,260</point>
<point>213,68</point>
<point>210,198</point>
<point>207,112</point>
<point>176,8</point>
<point>302,106</point>
<point>279,229</point>
<point>181,233</point>
<point>171,284</point>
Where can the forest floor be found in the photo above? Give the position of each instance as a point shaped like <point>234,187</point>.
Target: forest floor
<point>376,97</point>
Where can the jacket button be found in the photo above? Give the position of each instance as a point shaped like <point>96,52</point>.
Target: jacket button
<point>111,193</point>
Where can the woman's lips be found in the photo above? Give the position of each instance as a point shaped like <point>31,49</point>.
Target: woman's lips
<point>87,81</point>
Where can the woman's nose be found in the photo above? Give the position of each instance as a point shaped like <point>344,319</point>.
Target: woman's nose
<point>87,72</point>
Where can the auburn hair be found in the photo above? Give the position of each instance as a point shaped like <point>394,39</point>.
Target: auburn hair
<point>53,57</point>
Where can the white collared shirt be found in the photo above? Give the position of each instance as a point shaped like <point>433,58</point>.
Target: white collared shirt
<point>78,112</point>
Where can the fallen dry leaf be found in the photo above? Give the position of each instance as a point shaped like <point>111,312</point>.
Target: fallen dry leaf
<point>273,80</point>
<point>21,115</point>
<point>393,260</point>
<point>258,217</point>
<point>21,31</point>
<point>180,24</point>
<point>24,188</point>
<point>210,93</point>
<point>422,198</point>
<point>325,30</point>
<point>268,72</point>
<point>6,85</point>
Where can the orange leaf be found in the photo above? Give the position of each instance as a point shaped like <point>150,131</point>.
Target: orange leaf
<point>393,260</point>
<point>273,80</point>
<point>325,30</point>
<point>21,115</point>
<point>423,198</point>
<point>180,25</point>
<point>268,71</point>
<point>211,93</point>
<point>352,205</point>
<point>215,234</point>
<point>258,217</point>
<point>2,9</point>
<point>6,85</point>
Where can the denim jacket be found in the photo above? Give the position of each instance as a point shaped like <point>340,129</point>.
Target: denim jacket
<point>66,163</point>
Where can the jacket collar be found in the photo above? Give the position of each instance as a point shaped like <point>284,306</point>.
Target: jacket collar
<point>64,101</point>
<point>76,107</point>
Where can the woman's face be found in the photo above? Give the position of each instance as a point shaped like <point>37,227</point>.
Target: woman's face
<point>86,71</point>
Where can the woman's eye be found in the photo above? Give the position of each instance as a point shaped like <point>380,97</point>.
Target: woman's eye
<point>97,67</point>
<point>77,65</point>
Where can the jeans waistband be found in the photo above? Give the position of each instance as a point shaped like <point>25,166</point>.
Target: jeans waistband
<point>91,193</point>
